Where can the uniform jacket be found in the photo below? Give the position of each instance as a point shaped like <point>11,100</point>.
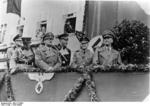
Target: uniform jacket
<point>24,55</point>
<point>65,55</point>
<point>47,56</point>
<point>10,52</point>
<point>82,58</point>
<point>104,56</point>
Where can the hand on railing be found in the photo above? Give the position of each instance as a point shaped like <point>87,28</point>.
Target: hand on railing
<point>81,69</point>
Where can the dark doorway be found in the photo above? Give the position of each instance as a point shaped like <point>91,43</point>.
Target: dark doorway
<point>43,26</point>
<point>70,25</point>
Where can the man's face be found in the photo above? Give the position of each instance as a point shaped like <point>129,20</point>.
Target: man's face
<point>48,41</point>
<point>19,42</point>
<point>84,45</point>
<point>108,40</point>
<point>27,43</point>
<point>64,41</point>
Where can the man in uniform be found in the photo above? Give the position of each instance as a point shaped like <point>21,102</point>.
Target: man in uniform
<point>64,51</point>
<point>106,55</point>
<point>11,53</point>
<point>47,57</point>
<point>10,49</point>
<point>82,57</point>
<point>18,41</point>
<point>27,55</point>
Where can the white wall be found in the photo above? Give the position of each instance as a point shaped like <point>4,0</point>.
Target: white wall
<point>38,10</point>
<point>10,19</point>
<point>53,12</point>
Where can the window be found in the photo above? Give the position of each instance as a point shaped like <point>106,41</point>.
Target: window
<point>43,26</point>
<point>70,25</point>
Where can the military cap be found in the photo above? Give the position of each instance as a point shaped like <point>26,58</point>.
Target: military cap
<point>62,36</point>
<point>17,37</point>
<point>26,39</point>
<point>108,33</point>
<point>84,40</point>
<point>48,35</point>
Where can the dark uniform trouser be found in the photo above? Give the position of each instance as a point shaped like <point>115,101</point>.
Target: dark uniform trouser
<point>86,79</point>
